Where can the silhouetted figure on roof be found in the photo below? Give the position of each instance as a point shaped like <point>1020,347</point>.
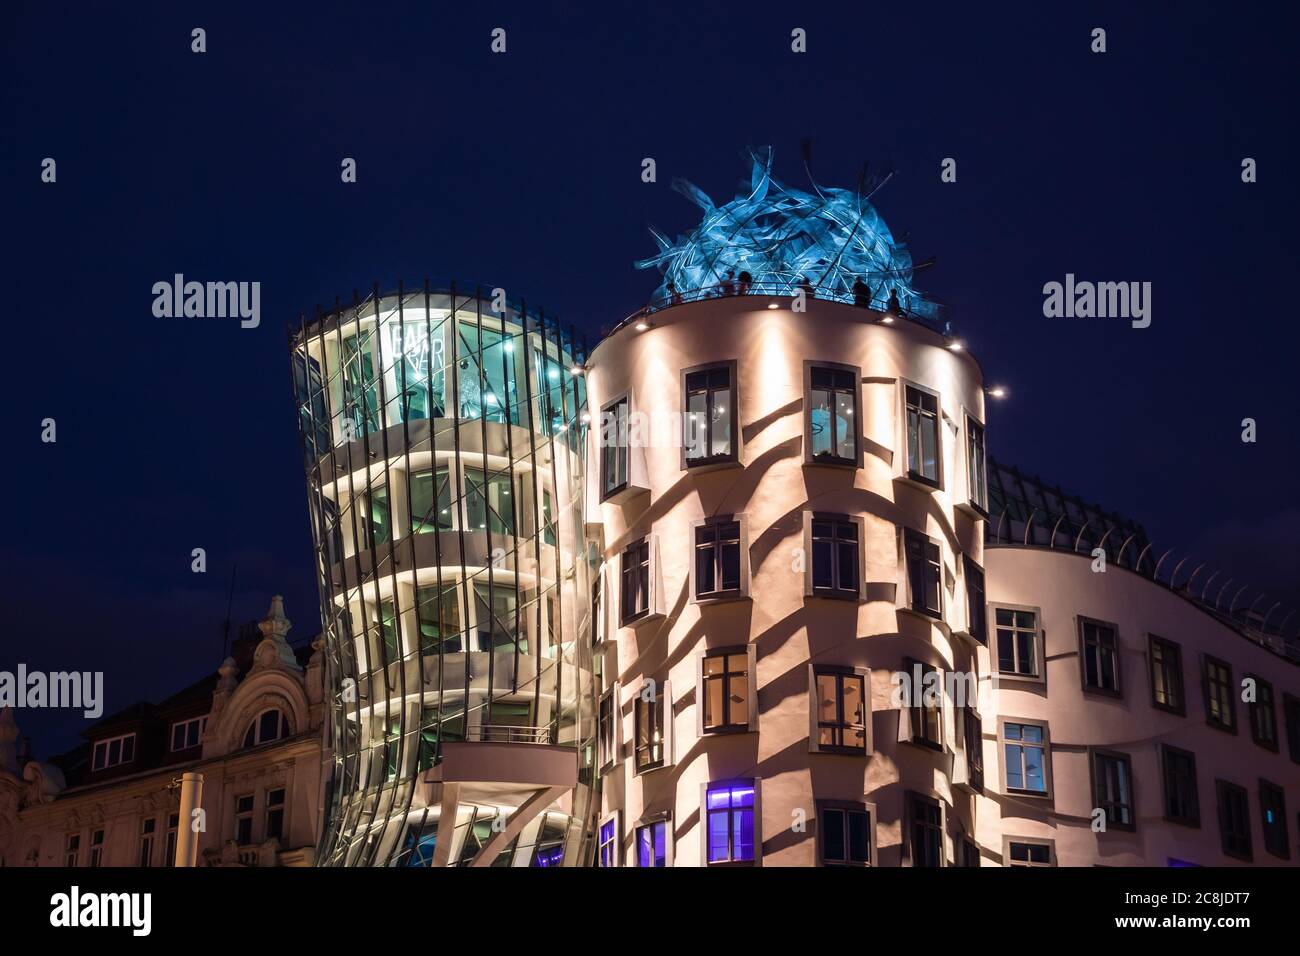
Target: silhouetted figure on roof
<point>727,287</point>
<point>674,297</point>
<point>744,281</point>
<point>806,285</point>
<point>861,293</point>
<point>893,308</point>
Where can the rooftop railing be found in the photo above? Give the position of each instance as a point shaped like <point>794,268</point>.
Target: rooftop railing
<point>735,287</point>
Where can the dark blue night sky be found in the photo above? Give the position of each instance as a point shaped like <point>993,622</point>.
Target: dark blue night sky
<point>523,171</point>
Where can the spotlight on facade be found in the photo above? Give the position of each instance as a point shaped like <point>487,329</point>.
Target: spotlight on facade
<point>955,345</point>
<point>996,391</point>
<point>887,319</point>
<point>774,305</point>
<point>577,370</point>
<point>644,326</point>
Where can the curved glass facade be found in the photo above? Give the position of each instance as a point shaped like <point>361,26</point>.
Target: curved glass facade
<point>442,434</point>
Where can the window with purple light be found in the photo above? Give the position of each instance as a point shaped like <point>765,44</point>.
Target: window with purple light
<point>730,810</point>
<point>608,854</point>
<point>549,856</point>
<point>651,844</point>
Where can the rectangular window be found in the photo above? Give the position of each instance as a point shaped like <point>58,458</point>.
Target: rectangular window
<point>378,522</point>
<point>1220,708</point>
<point>649,719</point>
<point>729,811</point>
<point>147,828</point>
<point>846,835</point>
<point>1112,788</point>
<point>1234,820</point>
<point>500,618</point>
<point>709,424</point>
<point>97,848</point>
<point>717,559</point>
<point>439,615</point>
<point>835,550</point>
<point>976,465</point>
<point>1291,713</point>
<point>1272,809</point>
<point>926,704</point>
<point>613,447</point>
<point>1021,852</point>
<point>169,846</point>
<point>970,853</point>
<point>548,520</point>
<point>489,502</point>
<point>608,729</point>
<point>275,814</point>
<point>1263,715</point>
<point>188,733</point>
<point>976,615</point>
<point>1026,756</point>
<point>1182,805</point>
<point>973,730</point>
<point>652,844</point>
<point>922,435</point>
<point>841,710</point>
<point>388,631</point>
<point>72,850</point>
<point>431,501</point>
<point>608,850</point>
<point>926,831</point>
<point>635,574</point>
<point>1166,675</point>
<point>114,751</point>
<point>924,573</point>
<point>244,819</point>
<point>726,691</point>
<point>1099,653</point>
<point>832,419</point>
<point>1017,634</point>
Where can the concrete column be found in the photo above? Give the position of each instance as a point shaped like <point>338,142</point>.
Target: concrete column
<point>187,841</point>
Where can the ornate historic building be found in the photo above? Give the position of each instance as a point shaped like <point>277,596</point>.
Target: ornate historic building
<point>253,730</point>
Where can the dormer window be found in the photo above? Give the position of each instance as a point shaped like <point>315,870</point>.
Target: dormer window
<point>113,751</point>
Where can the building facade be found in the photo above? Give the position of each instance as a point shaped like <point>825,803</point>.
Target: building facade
<point>254,733</point>
<point>742,588</point>
<point>442,436</point>
<point>791,524</point>
<point>1166,734</point>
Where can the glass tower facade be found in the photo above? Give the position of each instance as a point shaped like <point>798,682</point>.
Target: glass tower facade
<point>442,434</point>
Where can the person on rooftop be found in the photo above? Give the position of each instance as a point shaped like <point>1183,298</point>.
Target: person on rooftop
<point>861,293</point>
<point>893,308</point>
<point>744,281</point>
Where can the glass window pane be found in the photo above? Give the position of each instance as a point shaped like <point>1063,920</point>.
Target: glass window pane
<point>833,849</point>
<point>845,429</point>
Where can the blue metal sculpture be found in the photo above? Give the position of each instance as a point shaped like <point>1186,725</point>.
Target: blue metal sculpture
<point>774,239</point>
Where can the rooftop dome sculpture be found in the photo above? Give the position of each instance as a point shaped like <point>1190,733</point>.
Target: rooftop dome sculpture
<point>781,236</point>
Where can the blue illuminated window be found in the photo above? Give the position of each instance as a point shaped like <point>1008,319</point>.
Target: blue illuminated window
<point>1025,752</point>
<point>420,845</point>
<point>730,813</point>
<point>652,845</point>
<point>608,853</point>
